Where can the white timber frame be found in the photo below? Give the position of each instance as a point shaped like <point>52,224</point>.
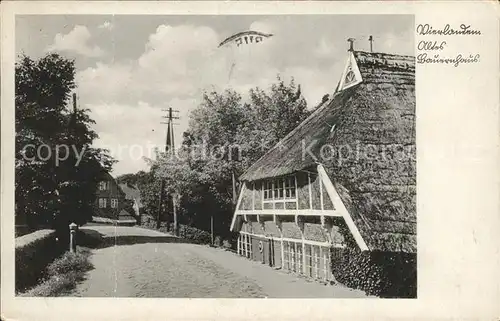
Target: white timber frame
<point>340,207</point>
<point>313,262</point>
<point>283,200</point>
<point>233,221</point>
<point>253,195</point>
<point>287,239</point>
<point>350,65</point>
<point>332,213</point>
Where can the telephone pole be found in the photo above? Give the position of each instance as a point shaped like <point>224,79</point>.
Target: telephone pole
<point>169,150</point>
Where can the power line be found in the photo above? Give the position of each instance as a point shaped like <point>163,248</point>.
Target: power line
<point>169,147</point>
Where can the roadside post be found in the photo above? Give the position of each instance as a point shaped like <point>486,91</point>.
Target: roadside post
<point>73,228</point>
<point>212,229</point>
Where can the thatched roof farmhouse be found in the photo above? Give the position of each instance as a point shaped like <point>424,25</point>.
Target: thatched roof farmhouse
<point>351,163</point>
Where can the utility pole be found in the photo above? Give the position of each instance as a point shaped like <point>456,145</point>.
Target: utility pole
<point>169,150</point>
<point>74,103</point>
<point>212,229</point>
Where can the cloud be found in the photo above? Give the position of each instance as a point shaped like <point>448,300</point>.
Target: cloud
<point>325,48</point>
<point>108,83</point>
<point>106,25</point>
<point>129,132</point>
<point>75,41</point>
<point>178,63</point>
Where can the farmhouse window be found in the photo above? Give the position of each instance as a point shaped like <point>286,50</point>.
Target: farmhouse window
<point>268,190</point>
<point>316,261</point>
<point>279,189</point>
<point>102,203</point>
<point>248,246</point>
<point>287,255</point>
<point>245,245</point>
<point>114,203</point>
<point>308,259</point>
<point>326,264</point>
<point>299,258</point>
<point>103,185</point>
<point>290,187</point>
<point>292,256</point>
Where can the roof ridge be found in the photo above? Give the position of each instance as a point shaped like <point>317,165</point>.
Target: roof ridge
<point>383,53</point>
<point>322,106</point>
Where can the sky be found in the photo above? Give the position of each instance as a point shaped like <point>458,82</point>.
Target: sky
<point>130,68</point>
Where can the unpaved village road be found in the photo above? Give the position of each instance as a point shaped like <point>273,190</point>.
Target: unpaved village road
<point>144,263</point>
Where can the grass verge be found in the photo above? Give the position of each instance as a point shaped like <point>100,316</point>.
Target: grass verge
<point>63,274</point>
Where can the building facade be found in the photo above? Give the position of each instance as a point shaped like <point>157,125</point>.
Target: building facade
<point>110,199</point>
<point>288,222</point>
<point>345,177</point>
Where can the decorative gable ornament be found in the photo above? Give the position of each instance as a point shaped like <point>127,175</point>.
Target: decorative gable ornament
<point>351,75</point>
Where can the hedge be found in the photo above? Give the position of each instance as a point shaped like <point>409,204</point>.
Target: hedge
<point>33,253</point>
<point>185,231</point>
<point>63,274</point>
<point>384,274</point>
<point>192,233</point>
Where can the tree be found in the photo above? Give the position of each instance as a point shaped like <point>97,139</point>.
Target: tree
<point>42,89</point>
<point>56,168</point>
<point>279,111</point>
<point>134,179</point>
<point>225,136</point>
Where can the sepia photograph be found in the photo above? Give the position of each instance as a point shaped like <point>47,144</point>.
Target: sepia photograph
<point>249,160</point>
<point>215,156</point>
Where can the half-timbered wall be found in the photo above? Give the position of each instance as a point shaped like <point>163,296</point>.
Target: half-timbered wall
<point>247,197</point>
<point>308,193</point>
<point>303,194</point>
<point>292,222</point>
<point>315,192</point>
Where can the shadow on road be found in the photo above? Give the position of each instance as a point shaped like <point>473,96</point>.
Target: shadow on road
<point>94,239</point>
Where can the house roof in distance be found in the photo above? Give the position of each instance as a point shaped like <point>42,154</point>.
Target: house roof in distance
<point>131,193</point>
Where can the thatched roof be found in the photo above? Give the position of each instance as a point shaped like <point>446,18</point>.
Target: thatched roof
<point>376,118</point>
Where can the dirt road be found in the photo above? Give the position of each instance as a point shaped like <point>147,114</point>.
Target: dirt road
<point>144,263</point>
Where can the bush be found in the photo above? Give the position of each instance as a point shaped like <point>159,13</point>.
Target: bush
<point>70,262</point>
<point>63,274</point>
<point>185,231</point>
<point>218,241</point>
<point>193,234</point>
<point>148,222</point>
<point>384,274</point>
<point>226,245</point>
<point>33,253</point>
<point>54,286</point>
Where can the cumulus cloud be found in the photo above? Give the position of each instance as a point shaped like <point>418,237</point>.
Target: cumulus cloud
<point>177,65</point>
<point>77,41</point>
<point>179,62</point>
<point>129,132</point>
